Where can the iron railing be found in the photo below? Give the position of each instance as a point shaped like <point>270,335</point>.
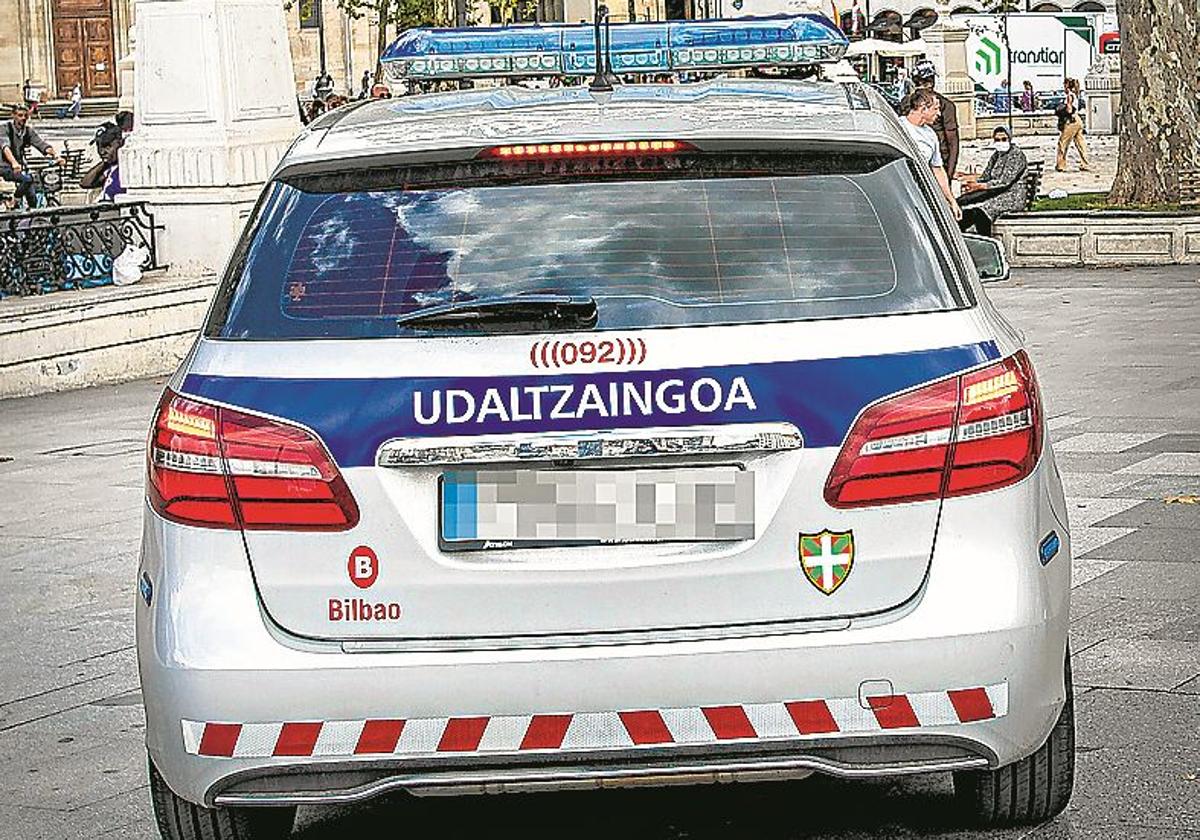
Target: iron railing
<point>57,248</point>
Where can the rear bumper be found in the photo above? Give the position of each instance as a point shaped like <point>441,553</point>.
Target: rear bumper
<point>990,617</point>
<point>331,782</point>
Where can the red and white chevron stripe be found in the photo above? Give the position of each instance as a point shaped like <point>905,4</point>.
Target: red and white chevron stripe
<point>595,730</point>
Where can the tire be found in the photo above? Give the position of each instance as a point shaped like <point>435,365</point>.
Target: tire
<point>1032,790</point>
<point>179,819</point>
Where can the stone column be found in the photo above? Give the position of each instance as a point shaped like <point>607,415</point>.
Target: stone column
<point>1103,88</point>
<point>126,69</point>
<point>24,48</point>
<point>946,47</point>
<point>215,110</point>
<point>122,11</point>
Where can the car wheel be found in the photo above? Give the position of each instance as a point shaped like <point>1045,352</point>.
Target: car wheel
<point>1031,790</point>
<point>179,819</point>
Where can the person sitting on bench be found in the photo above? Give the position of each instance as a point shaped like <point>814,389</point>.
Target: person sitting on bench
<point>999,189</point>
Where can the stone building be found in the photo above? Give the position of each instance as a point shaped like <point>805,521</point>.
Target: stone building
<point>58,43</point>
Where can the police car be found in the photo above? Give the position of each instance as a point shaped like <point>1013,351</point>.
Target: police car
<point>584,437</point>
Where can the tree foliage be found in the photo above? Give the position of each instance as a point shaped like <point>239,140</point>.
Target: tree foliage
<point>521,10</point>
<point>395,14</point>
<point>402,14</point>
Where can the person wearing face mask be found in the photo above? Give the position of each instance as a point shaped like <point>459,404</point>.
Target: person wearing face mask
<point>999,189</point>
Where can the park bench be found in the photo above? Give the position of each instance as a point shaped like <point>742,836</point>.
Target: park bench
<point>1189,188</point>
<point>1033,181</point>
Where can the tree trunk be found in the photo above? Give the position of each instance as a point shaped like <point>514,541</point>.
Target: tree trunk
<point>1160,105</point>
<point>381,40</point>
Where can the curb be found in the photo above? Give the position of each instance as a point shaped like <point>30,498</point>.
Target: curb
<point>1100,238</point>
<point>68,340</point>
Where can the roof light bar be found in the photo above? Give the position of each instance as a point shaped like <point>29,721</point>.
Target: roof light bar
<point>591,149</point>
<point>570,50</point>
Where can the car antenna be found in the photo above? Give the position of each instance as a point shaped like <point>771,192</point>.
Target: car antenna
<point>602,82</point>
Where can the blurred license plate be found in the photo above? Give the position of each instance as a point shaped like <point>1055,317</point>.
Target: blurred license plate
<point>526,508</point>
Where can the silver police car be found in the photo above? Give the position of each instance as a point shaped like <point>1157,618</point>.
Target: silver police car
<point>550,439</point>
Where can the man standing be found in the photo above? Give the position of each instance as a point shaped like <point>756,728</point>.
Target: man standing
<point>946,125</point>
<point>15,137</point>
<point>923,111</point>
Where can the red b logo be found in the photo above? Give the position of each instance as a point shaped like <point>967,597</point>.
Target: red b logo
<point>363,567</point>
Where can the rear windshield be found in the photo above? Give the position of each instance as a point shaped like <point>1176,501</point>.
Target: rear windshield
<point>702,239</point>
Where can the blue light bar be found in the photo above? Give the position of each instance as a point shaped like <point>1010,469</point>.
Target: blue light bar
<point>570,50</point>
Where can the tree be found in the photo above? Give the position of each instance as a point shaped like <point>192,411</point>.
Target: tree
<point>1160,103</point>
<point>403,14</point>
<point>514,10</point>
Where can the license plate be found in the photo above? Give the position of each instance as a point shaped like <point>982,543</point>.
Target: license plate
<point>483,509</point>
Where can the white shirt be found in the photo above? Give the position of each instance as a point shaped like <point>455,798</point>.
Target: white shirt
<point>927,143</point>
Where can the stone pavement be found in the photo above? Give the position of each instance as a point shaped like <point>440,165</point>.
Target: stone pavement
<point>1118,353</point>
<point>1102,149</point>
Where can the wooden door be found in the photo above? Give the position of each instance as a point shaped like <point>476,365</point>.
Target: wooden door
<point>100,76</point>
<point>68,54</point>
<point>83,47</point>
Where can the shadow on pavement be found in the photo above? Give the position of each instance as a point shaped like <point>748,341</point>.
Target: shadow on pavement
<point>919,806</point>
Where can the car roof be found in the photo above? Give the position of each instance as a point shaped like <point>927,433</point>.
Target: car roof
<point>725,109</point>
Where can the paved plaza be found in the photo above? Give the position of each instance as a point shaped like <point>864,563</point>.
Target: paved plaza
<point>1118,353</point>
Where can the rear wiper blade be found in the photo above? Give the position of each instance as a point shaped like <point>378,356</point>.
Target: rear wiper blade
<point>550,310</point>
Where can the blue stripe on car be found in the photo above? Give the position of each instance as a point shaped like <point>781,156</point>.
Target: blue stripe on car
<point>820,396</point>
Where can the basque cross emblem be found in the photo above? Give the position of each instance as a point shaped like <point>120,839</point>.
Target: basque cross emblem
<point>826,558</point>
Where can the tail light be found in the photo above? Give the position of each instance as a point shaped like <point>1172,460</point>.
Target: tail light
<point>606,148</point>
<point>221,468</point>
<point>975,432</point>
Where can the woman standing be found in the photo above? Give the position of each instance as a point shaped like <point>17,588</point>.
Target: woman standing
<point>1070,127</point>
<point>1028,101</point>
